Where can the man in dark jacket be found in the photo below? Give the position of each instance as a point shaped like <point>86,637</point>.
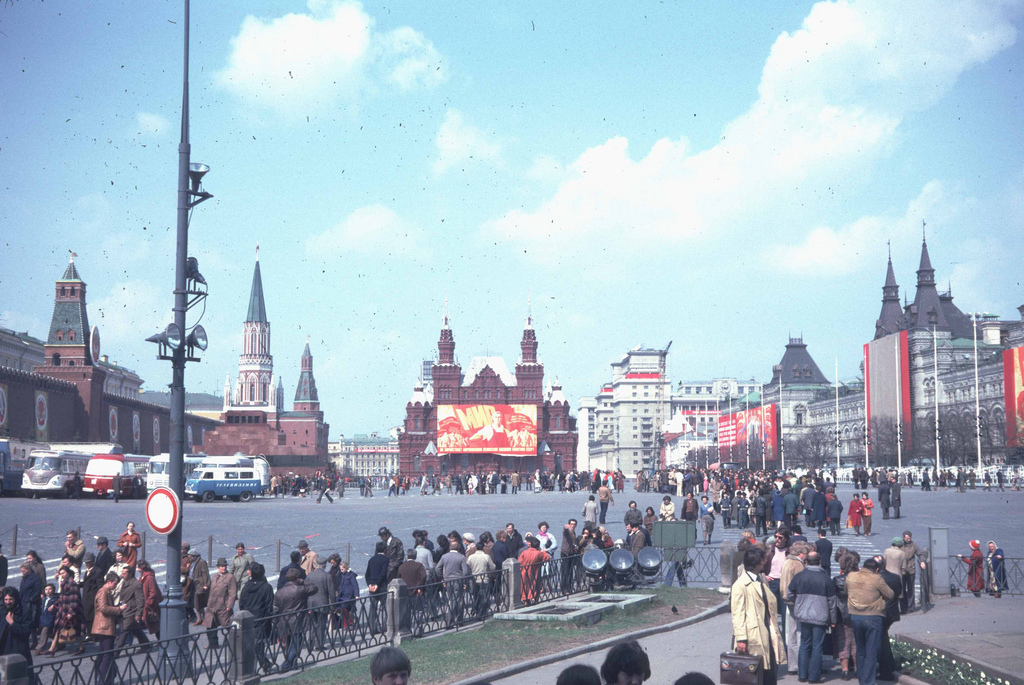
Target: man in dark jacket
<point>133,615</point>
<point>376,577</point>
<point>395,551</point>
<point>895,497</point>
<point>92,581</point>
<point>289,603</point>
<point>324,579</point>
<point>296,558</point>
<point>3,568</point>
<point>500,551</point>
<point>514,540</point>
<point>104,557</point>
<point>570,548</point>
<point>15,625</point>
<point>30,593</point>
<point>886,661</point>
<point>824,548</point>
<point>257,597</point>
<point>634,515</point>
<point>883,499</point>
<point>412,572</point>
<point>834,514</point>
<point>812,594</point>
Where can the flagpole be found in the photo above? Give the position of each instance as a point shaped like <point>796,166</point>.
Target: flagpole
<point>760,393</point>
<point>837,413</point>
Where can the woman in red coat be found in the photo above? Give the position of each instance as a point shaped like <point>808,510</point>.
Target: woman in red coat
<point>853,511</point>
<point>530,561</point>
<point>129,543</point>
<point>975,568</point>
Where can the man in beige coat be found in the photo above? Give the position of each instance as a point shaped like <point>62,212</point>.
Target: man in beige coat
<point>223,591</point>
<point>755,628</point>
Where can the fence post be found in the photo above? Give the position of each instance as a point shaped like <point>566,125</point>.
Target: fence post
<point>78,532</point>
<point>209,550</point>
<point>279,555</point>
<point>403,606</point>
<point>727,559</point>
<point>348,554</point>
<point>143,543</point>
<point>938,551</point>
<point>14,545</point>
<point>512,582</point>
<point>392,602</point>
<point>242,670</point>
<point>14,670</point>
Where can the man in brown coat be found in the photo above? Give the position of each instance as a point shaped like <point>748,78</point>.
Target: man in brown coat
<point>104,626</point>
<point>200,585</point>
<point>132,602</point>
<point>223,591</point>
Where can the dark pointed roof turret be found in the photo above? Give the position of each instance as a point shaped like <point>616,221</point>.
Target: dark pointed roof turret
<point>257,308</point>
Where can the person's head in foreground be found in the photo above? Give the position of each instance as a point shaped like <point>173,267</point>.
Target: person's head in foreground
<point>579,674</point>
<point>694,678</point>
<point>626,664</point>
<point>390,666</point>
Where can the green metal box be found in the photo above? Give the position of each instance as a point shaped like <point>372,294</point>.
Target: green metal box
<point>674,534</point>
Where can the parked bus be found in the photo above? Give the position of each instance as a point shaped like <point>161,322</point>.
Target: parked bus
<point>102,468</point>
<point>13,460</point>
<point>51,473</point>
<point>159,465</point>
<point>239,477</point>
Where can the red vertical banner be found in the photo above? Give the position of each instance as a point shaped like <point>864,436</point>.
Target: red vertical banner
<point>908,432</point>
<point>1013,387</point>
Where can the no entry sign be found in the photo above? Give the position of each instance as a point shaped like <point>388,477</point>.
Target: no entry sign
<point>163,510</point>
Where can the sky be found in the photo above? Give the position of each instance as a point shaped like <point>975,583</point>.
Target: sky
<point>721,175</point>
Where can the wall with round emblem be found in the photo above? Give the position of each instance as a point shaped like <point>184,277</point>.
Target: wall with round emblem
<point>156,434</point>
<point>112,423</point>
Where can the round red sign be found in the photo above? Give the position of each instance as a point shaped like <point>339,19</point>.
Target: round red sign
<point>163,510</point>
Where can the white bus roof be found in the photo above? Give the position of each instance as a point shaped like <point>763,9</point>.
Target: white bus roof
<point>88,447</point>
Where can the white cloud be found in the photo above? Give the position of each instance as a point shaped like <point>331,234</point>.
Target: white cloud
<point>546,168</point>
<point>151,124</point>
<point>461,143</point>
<point>838,251</point>
<point>372,229</point>
<point>831,98</point>
<point>301,63</point>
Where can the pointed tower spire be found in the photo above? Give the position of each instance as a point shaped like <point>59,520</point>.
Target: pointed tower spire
<point>446,343</point>
<point>529,314</point>
<point>257,308</point>
<point>528,344</point>
<point>306,397</point>
<point>891,315</point>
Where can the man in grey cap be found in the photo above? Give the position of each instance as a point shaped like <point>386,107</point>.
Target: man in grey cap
<point>309,558</point>
<point>200,584</point>
<point>104,557</point>
<point>223,591</point>
<point>92,581</point>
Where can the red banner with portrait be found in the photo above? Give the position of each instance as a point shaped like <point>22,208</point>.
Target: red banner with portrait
<point>1013,386</point>
<point>506,429</point>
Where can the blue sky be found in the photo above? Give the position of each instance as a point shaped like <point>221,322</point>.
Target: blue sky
<point>716,175</point>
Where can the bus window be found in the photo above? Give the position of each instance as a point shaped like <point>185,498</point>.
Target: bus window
<point>208,475</point>
<point>231,475</point>
<point>248,474</point>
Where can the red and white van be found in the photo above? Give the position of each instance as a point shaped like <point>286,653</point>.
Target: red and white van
<point>99,474</point>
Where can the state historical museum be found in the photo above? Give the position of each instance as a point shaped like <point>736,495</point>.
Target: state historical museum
<point>486,418</point>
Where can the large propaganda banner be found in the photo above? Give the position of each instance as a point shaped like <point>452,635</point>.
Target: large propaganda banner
<point>1013,386</point>
<point>887,368</point>
<point>506,429</point>
<point>743,427</point>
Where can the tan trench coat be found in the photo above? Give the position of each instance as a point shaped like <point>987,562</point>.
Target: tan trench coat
<point>748,619</point>
<point>222,600</point>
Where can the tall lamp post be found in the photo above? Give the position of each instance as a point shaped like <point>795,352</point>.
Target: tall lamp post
<point>178,345</point>
<point>977,389</point>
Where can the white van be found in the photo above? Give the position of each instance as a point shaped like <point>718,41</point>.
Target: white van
<point>159,465</point>
<point>239,478</point>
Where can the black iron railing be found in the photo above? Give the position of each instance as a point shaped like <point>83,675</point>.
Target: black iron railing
<point>451,604</point>
<point>691,566</point>
<point>206,657</point>
<point>297,639</point>
<point>553,579</point>
<point>985,577</point>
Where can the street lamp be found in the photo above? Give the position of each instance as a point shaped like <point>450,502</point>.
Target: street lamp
<point>977,394</point>
<point>189,290</point>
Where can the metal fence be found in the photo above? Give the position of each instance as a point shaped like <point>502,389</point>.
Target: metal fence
<point>452,604</point>
<point>297,639</point>
<point>205,658</point>
<point>693,566</point>
<point>983,577</point>
<point>553,579</point>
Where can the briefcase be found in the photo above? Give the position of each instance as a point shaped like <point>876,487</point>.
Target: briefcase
<point>741,669</point>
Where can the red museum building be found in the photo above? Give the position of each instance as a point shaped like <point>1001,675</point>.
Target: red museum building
<point>487,418</point>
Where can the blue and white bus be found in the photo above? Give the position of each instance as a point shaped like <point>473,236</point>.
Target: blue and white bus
<point>239,478</point>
